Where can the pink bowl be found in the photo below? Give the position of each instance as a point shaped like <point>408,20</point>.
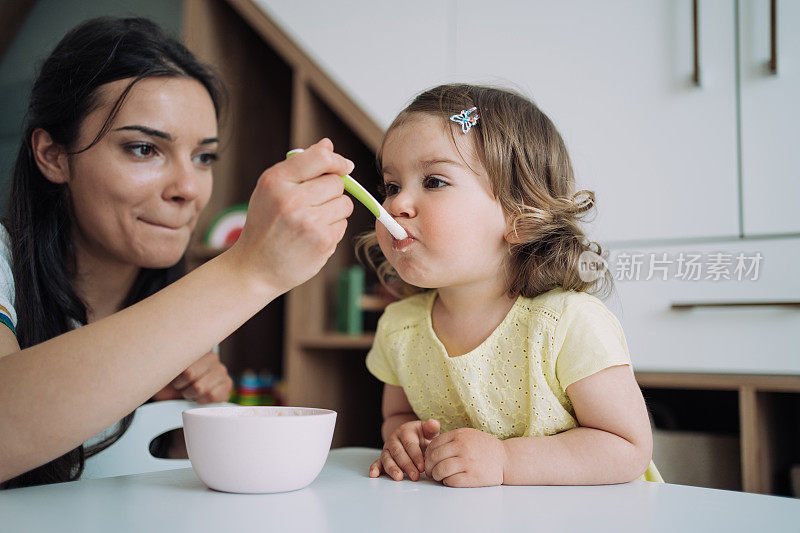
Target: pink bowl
<point>258,449</point>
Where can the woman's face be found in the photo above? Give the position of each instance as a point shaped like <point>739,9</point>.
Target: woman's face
<point>137,193</point>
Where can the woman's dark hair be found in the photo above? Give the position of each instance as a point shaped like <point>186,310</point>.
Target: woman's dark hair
<point>97,52</point>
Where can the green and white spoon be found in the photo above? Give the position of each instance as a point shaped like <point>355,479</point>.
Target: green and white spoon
<point>362,195</point>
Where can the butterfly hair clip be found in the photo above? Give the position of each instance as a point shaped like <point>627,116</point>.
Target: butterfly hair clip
<point>465,119</point>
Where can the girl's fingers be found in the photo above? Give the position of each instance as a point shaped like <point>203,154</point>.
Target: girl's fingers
<point>446,468</point>
<point>375,469</point>
<point>430,428</point>
<point>437,455</point>
<point>457,480</point>
<point>439,440</point>
<point>412,448</point>
<point>401,457</point>
<point>390,466</point>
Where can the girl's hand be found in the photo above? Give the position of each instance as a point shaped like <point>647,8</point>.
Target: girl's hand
<point>296,217</point>
<point>466,457</point>
<point>206,381</point>
<point>404,449</point>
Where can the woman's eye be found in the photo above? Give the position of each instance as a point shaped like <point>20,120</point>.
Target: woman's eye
<point>434,182</point>
<point>141,150</point>
<point>206,158</point>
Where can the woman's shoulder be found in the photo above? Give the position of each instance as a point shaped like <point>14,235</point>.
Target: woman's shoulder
<point>405,313</point>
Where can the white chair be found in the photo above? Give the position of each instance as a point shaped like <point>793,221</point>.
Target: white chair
<point>131,453</point>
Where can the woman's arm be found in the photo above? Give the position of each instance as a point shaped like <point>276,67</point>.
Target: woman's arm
<point>613,445</point>
<point>57,394</point>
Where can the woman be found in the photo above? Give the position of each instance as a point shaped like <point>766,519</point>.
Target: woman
<point>113,171</point>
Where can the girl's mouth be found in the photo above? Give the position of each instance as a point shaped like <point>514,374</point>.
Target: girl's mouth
<point>403,245</point>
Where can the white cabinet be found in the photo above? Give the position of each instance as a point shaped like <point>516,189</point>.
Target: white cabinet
<point>674,321</point>
<point>381,53</point>
<point>615,77</point>
<point>770,117</point>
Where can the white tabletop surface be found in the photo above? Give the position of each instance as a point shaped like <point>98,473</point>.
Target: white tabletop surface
<point>343,498</point>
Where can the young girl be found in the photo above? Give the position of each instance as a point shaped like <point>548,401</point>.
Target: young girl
<point>500,368</point>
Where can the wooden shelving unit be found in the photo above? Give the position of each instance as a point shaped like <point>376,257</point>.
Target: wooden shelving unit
<point>769,445</point>
<point>336,341</point>
<point>280,100</point>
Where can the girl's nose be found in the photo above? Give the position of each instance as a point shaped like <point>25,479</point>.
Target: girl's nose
<point>184,184</point>
<point>402,205</point>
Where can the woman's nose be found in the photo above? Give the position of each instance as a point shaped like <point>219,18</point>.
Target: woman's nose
<point>402,205</point>
<point>184,184</point>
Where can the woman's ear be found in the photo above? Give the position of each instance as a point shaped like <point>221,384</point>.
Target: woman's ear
<point>51,158</point>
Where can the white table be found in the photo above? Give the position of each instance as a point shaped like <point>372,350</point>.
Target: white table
<point>343,498</point>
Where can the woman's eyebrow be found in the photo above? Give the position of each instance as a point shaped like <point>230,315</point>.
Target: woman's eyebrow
<point>162,134</point>
<point>148,131</point>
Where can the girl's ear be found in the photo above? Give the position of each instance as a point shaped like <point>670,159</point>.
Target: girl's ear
<point>512,237</point>
<point>51,158</point>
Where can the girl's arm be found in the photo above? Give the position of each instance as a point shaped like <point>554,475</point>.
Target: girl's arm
<point>613,445</point>
<point>405,437</point>
<point>57,394</point>
<point>396,410</point>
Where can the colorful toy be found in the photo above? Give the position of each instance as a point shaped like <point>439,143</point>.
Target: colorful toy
<point>226,227</point>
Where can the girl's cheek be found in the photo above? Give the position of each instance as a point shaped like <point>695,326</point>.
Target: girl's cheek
<point>384,238</point>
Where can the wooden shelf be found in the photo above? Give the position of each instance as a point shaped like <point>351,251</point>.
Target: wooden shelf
<point>733,382</point>
<point>280,99</point>
<point>336,341</point>
<point>762,402</point>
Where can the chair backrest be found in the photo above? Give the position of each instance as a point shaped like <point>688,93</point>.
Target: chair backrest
<point>131,453</point>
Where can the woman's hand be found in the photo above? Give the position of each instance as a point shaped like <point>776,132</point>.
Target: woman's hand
<point>296,217</point>
<point>404,449</point>
<point>205,381</point>
<point>466,457</point>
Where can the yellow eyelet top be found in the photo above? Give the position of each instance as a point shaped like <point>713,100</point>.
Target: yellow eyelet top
<point>513,384</point>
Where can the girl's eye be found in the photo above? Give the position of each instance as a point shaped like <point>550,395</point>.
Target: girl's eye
<point>206,158</point>
<point>389,189</point>
<point>434,182</point>
<point>141,149</point>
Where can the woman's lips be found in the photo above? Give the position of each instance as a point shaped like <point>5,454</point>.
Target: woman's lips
<point>157,224</point>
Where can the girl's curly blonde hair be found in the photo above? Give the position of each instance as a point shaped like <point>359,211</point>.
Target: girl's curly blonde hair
<point>532,178</point>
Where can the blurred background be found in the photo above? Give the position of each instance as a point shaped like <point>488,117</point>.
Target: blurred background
<point>681,115</point>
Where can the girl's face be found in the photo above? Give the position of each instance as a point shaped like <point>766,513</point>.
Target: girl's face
<point>137,193</point>
<point>455,224</point>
